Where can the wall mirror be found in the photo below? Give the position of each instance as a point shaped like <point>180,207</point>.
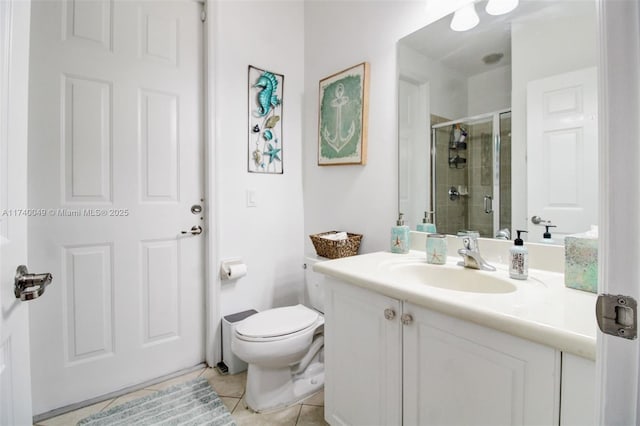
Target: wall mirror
<point>498,124</point>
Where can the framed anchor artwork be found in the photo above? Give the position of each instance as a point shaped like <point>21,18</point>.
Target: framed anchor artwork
<point>342,117</point>
<point>266,90</point>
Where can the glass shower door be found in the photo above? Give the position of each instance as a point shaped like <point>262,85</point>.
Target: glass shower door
<point>468,191</point>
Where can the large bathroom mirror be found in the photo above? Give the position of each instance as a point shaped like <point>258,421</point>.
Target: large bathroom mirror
<point>498,124</point>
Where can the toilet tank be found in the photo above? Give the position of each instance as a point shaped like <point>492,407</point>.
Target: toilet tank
<point>314,283</point>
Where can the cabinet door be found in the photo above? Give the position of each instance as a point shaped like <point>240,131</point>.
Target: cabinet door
<point>459,373</point>
<point>578,391</point>
<point>363,355</point>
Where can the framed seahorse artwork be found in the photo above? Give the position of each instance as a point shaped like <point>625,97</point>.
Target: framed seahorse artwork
<point>342,117</point>
<point>265,151</point>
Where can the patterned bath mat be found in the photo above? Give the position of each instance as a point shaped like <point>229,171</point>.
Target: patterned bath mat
<point>193,403</point>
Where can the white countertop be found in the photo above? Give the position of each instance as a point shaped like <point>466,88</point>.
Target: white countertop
<point>541,309</point>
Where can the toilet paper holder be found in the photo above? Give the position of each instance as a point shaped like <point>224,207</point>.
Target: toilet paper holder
<point>228,270</point>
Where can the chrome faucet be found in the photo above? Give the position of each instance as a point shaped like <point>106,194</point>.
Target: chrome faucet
<point>471,253</point>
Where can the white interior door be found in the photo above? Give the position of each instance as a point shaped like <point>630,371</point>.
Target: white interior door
<point>414,151</point>
<point>15,381</point>
<point>562,152</point>
<point>115,159</point>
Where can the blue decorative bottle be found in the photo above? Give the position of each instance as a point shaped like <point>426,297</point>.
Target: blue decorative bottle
<point>436,249</point>
<point>426,225</point>
<point>400,236</point>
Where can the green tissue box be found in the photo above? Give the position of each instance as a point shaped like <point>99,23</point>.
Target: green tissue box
<point>581,263</point>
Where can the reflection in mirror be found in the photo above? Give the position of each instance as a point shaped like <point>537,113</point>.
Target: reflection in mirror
<point>498,124</point>
<point>471,188</point>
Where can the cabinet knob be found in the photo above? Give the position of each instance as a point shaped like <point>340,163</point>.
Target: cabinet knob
<point>406,319</point>
<point>389,314</point>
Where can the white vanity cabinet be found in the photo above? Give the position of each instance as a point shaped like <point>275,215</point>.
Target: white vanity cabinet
<point>459,373</point>
<point>392,363</point>
<point>578,391</point>
<point>363,357</point>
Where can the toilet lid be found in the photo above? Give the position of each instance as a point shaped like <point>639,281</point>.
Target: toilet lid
<point>277,322</point>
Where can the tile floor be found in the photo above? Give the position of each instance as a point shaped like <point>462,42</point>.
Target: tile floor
<point>231,390</point>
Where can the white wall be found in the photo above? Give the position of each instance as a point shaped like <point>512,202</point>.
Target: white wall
<point>453,94</point>
<point>269,237</point>
<point>338,35</point>
<point>489,91</point>
<point>448,87</point>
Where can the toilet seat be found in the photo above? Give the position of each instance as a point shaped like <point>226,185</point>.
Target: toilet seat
<point>278,323</point>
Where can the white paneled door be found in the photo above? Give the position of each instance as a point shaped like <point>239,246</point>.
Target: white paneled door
<point>115,164</point>
<point>414,145</point>
<point>562,151</point>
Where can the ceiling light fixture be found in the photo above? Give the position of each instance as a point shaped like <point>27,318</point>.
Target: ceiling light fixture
<point>465,18</point>
<point>500,7</point>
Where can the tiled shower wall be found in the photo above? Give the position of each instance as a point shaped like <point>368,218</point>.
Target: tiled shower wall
<point>505,172</point>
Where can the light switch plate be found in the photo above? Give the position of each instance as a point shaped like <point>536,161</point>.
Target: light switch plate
<point>251,198</point>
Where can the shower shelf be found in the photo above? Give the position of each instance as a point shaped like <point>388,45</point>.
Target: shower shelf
<point>457,162</point>
<point>458,146</point>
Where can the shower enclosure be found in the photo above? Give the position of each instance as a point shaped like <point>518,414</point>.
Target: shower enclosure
<point>471,174</point>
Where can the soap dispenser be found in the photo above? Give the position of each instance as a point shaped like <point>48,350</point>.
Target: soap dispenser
<point>400,236</point>
<point>518,259</point>
<point>427,225</point>
<point>546,237</point>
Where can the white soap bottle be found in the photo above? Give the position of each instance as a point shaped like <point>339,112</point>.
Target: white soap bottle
<point>546,237</point>
<point>518,259</point>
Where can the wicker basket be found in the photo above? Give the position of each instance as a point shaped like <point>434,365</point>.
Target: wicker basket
<point>336,249</point>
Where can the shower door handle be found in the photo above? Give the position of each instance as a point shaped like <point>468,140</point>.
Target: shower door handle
<point>488,204</point>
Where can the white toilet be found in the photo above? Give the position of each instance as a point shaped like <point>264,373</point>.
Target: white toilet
<point>284,350</point>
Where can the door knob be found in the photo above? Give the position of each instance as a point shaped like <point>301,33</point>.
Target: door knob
<point>195,230</point>
<point>389,314</point>
<point>30,286</point>
<point>537,220</point>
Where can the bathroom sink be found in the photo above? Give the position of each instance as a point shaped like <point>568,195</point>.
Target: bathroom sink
<point>450,277</point>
